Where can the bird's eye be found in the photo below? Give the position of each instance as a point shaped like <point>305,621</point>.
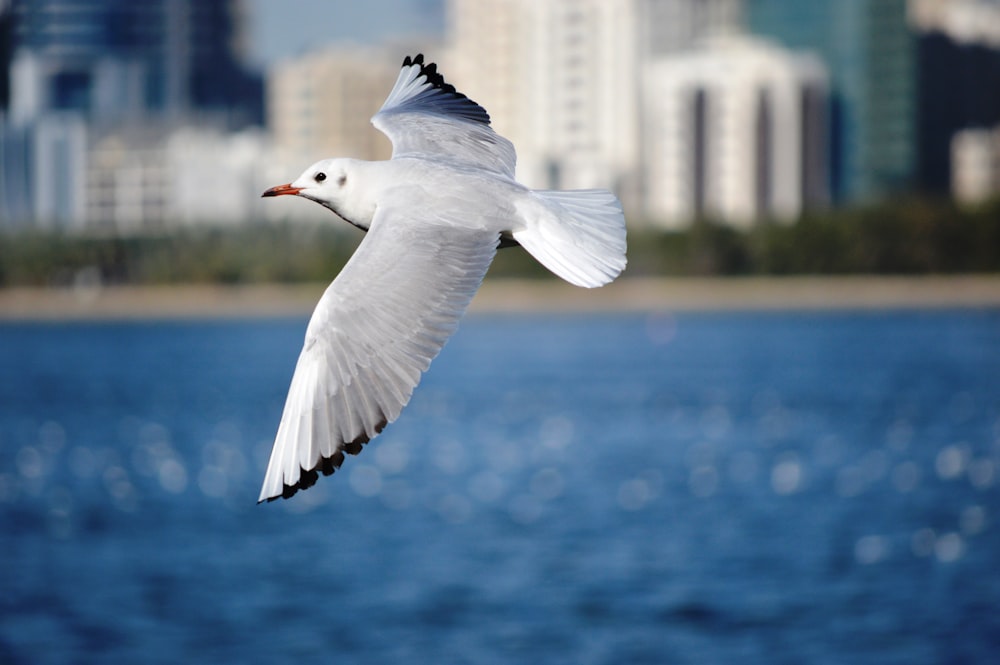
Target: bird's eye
<point>320,177</point>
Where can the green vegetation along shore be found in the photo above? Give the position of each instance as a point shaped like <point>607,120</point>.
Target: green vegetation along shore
<point>907,238</point>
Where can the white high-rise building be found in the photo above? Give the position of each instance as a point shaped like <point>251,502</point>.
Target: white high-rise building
<point>559,77</point>
<point>734,131</point>
<point>488,60</point>
<point>584,122</point>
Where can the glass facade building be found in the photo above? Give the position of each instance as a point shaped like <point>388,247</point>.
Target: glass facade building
<point>113,58</point>
<point>870,52</point>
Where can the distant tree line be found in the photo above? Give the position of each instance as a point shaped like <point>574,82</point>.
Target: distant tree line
<point>221,255</point>
<point>909,237</point>
<point>912,237</point>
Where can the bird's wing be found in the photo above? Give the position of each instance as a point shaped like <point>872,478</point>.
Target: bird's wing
<point>375,330</point>
<point>425,116</point>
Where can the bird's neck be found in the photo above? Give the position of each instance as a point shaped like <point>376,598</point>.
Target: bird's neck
<point>359,208</point>
<point>361,222</point>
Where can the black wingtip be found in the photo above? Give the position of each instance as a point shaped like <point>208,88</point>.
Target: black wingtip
<point>418,59</point>
<point>326,465</point>
<point>467,108</point>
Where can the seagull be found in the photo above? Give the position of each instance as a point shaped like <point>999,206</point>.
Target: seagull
<point>435,214</point>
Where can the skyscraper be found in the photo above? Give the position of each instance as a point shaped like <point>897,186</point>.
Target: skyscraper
<point>869,51</point>
<point>114,59</point>
<point>562,81</point>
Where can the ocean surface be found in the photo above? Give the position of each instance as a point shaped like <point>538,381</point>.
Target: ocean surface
<point>665,488</point>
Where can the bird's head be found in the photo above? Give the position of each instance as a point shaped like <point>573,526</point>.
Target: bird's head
<point>330,183</point>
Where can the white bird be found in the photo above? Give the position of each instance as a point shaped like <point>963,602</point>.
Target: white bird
<point>435,214</point>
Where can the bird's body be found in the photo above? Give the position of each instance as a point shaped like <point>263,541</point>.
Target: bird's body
<point>434,183</point>
<point>435,214</point>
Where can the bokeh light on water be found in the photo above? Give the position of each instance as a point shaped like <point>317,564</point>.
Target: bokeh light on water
<point>648,488</point>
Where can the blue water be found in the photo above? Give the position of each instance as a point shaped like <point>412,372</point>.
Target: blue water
<point>690,488</point>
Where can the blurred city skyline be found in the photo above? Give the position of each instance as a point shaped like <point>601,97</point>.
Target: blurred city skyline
<point>736,110</point>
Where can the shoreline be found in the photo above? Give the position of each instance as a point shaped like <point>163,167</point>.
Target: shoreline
<point>687,294</point>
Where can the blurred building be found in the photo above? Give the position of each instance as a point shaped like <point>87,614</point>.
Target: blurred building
<point>320,104</point>
<point>735,131</point>
<point>110,59</point>
<point>975,159</point>
<point>869,50</point>
<point>77,71</point>
<point>488,60</point>
<point>584,124</point>
<point>149,178</point>
<point>958,46</point>
<point>560,78</point>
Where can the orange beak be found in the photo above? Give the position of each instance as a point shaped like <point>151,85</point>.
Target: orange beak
<point>279,190</point>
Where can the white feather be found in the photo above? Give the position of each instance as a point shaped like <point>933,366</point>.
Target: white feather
<point>578,235</point>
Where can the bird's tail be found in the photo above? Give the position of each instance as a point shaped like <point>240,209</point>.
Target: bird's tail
<point>579,235</point>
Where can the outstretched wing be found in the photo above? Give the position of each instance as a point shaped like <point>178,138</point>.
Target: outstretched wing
<point>373,333</point>
<point>427,117</point>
